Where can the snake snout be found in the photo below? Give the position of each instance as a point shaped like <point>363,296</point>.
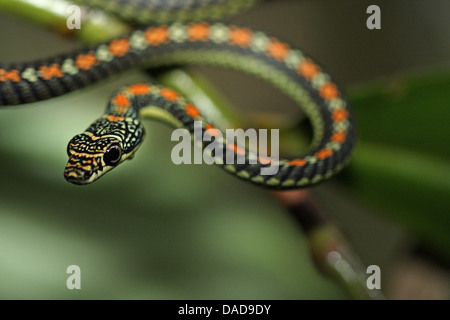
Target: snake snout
<point>77,176</point>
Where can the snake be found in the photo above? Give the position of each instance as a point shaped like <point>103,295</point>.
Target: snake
<point>119,132</point>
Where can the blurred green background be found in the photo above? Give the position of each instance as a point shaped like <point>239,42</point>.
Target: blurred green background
<point>154,230</point>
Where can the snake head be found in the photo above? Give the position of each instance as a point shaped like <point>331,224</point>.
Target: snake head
<point>95,152</point>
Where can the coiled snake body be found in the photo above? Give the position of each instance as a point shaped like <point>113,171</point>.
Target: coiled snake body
<point>118,133</point>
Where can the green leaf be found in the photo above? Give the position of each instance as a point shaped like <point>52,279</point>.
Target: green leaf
<point>401,162</point>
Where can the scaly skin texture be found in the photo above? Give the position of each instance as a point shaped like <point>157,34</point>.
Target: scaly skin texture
<point>119,132</point>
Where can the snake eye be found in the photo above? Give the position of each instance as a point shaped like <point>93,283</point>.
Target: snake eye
<point>112,155</point>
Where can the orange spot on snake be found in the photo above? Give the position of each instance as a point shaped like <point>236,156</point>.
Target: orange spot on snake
<point>264,160</point>
<point>339,136</point>
<point>240,36</point>
<point>169,94</point>
<point>308,69</point>
<point>324,153</point>
<point>236,149</point>
<point>86,155</point>
<point>122,101</point>
<point>192,110</point>
<point>48,72</point>
<point>12,75</point>
<point>198,31</point>
<point>156,35</point>
<point>139,89</point>
<point>277,49</point>
<point>85,61</point>
<point>329,91</point>
<point>339,115</point>
<point>213,131</point>
<point>119,47</point>
<point>114,118</point>
<point>298,162</point>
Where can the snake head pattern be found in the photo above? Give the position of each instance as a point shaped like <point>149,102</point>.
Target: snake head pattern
<point>105,144</point>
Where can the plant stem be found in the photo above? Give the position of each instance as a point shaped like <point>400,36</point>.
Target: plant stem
<point>330,251</point>
<point>96,26</point>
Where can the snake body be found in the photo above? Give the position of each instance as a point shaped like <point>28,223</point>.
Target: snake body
<point>164,11</point>
<point>118,133</point>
